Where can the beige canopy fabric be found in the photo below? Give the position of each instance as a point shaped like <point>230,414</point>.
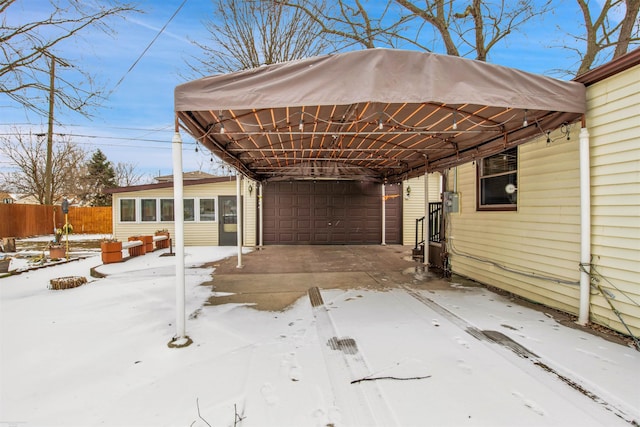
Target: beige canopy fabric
<point>378,114</point>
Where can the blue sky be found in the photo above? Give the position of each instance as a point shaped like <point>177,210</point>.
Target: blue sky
<point>135,123</point>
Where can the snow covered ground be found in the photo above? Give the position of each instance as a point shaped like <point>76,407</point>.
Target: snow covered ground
<point>98,355</point>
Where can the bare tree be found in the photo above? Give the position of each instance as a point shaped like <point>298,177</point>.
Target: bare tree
<point>348,23</point>
<point>247,34</point>
<point>462,31</point>
<point>127,175</point>
<point>472,31</point>
<point>607,31</point>
<point>28,45</point>
<point>28,154</point>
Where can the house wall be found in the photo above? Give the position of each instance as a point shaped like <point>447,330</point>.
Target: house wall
<point>535,251</point>
<point>250,212</point>
<point>195,233</point>
<point>613,121</point>
<point>414,206</point>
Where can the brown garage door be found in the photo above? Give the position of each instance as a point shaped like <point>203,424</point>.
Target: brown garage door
<point>328,212</point>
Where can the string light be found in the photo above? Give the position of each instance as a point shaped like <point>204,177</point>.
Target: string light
<point>455,123</point>
<point>380,125</point>
<point>301,125</point>
<point>525,123</point>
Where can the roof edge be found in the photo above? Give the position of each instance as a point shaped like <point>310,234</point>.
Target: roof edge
<point>159,185</point>
<point>613,67</point>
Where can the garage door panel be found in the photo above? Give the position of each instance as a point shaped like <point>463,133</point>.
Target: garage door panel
<point>325,212</point>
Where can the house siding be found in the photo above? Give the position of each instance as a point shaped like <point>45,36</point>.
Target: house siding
<point>614,129</point>
<point>541,238</point>
<point>534,252</point>
<point>250,213</point>
<point>195,233</point>
<point>414,206</point>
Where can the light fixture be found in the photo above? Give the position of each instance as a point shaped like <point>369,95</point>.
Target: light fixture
<point>221,127</point>
<point>455,123</point>
<point>525,123</point>
<point>250,189</point>
<point>380,125</point>
<point>301,125</point>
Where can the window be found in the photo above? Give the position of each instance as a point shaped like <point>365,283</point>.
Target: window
<point>154,210</point>
<point>127,210</point>
<point>498,181</point>
<point>207,210</point>
<point>189,210</point>
<point>166,210</point>
<point>148,209</point>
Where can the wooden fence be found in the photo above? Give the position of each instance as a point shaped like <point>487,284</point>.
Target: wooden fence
<point>18,220</point>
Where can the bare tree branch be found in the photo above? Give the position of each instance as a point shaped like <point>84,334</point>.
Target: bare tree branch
<point>26,49</point>
<point>27,152</point>
<point>247,34</point>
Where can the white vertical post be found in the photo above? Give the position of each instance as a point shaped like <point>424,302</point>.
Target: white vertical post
<point>384,216</point>
<point>178,212</point>
<point>585,227</point>
<point>239,218</point>
<point>260,217</point>
<point>426,218</point>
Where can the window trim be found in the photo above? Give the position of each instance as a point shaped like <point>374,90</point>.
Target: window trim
<point>496,207</point>
<point>215,209</point>
<point>137,210</point>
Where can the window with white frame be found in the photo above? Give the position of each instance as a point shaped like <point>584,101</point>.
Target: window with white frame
<point>127,210</point>
<point>148,210</point>
<point>207,209</point>
<point>162,210</point>
<point>166,210</point>
<point>498,181</point>
<point>189,210</point>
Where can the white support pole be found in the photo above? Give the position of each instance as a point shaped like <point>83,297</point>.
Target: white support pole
<point>239,217</point>
<point>384,216</point>
<point>260,214</point>
<point>426,218</point>
<point>178,212</point>
<point>585,227</point>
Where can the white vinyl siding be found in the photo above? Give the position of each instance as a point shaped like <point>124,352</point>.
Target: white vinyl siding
<point>250,212</point>
<point>614,127</point>
<point>198,232</point>
<point>542,238</point>
<point>413,206</point>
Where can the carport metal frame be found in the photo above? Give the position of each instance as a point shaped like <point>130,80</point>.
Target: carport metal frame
<point>379,115</point>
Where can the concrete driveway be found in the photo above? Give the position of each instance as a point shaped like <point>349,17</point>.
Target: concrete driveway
<point>467,328</point>
<point>275,277</point>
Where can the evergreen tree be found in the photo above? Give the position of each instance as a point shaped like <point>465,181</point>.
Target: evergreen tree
<point>100,176</point>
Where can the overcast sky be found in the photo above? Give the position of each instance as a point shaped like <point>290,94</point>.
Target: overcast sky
<point>135,123</point>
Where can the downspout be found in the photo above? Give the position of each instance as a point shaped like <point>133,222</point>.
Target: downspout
<point>178,213</point>
<point>426,212</point>
<point>260,217</point>
<point>585,225</point>
<point>384,215</point>
<point>239,217</point>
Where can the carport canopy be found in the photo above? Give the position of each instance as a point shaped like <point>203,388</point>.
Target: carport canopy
<point>382,115</point>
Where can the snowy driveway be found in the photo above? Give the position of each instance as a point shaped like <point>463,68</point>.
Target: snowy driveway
<point>405,356</point>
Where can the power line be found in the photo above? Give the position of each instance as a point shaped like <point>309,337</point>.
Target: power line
<point>148,46</point>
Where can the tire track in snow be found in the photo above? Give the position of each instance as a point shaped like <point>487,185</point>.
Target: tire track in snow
<point>361,403</point>
<point>505,342</point>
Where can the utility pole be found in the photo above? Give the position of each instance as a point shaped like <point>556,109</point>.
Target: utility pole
<point>48,172</point>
